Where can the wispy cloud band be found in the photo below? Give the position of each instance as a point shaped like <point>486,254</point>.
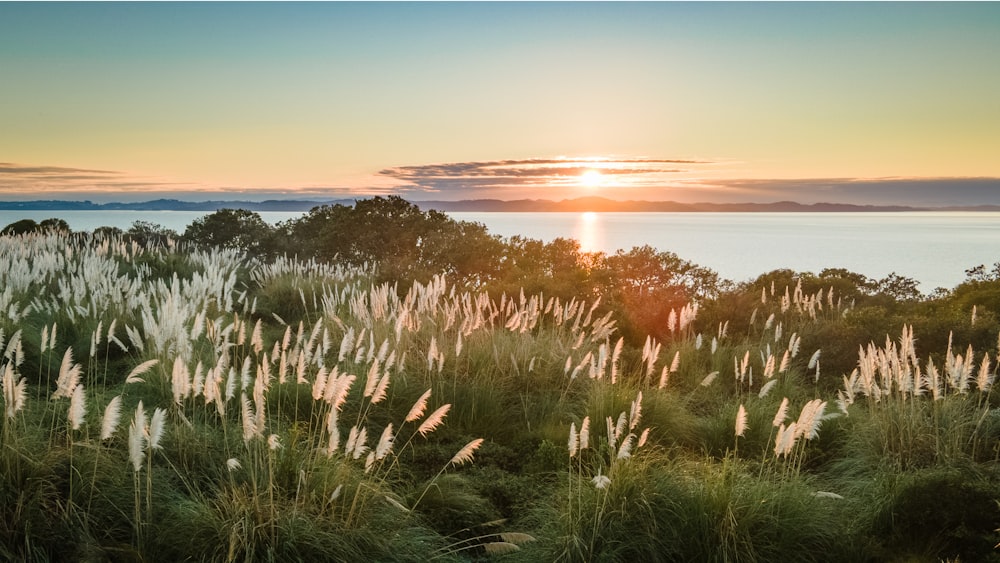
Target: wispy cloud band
<point>534,172</point>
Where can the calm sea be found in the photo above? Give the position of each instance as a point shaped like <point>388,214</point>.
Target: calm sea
<point>934,248</point>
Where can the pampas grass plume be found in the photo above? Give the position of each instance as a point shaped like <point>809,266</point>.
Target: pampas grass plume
<point>133,376</point>
<point>709,379</point>
<point>782,414</point>
<point>112,414</point>
<point>434,420</point>
<point>741,421</point>
<point>384,443</point>
<point>585,433</point>
<point>77,407</point>
<point>156,428</point>
<point>136,439</point>
<point>465,454</point>
<point>418,408</point>
<point>766,388</point>
<point>13,391</point>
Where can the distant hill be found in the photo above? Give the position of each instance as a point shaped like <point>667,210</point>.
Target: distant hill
<point>169,205</point>
<point>480,205</point>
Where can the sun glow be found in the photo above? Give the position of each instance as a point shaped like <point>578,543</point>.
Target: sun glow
<point>591,178</point>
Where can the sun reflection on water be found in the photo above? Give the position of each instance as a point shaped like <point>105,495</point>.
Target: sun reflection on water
<point>589,231</point>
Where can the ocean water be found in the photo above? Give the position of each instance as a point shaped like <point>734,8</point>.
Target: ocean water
<point>934,248</point>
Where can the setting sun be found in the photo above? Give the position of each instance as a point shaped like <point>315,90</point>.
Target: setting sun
<point>591,178</point>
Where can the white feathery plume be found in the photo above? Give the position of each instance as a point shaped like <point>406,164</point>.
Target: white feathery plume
<point>434,420</point>
<point>813,359</point>
<point>112,414</point>
<point>585,433</point>
<point>381,389</point>
<point>614,359</point>
<point>643,438</point>
<point>785,360</point>
<point>418,408</point>
<point>156,428</point>
<point>274,442</point>
<point>664,377</point>
<point>319,384</point>
<point>339,390</point>
<point>601,481</point>
<point>620,425</point>
<point>14,392</point>
<point>574,440</point>
<point>249,423</point>
<point>180,379</point>
<point>635,412</point>
<point>137,438</point>
<point>465,454</point>
<point>766,388</point>
<point>782,414</point>
<point>741,421</point>
<point>384,443</point>
<point>334,432</point>
<point>133,376</point>
<point>985,378</point>
<point>360,443</point>
<point>625,450</point>
<point>77,407</point>
<point>69,375</point>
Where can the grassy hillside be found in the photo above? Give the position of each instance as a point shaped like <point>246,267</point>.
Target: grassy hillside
<point>167,402</point>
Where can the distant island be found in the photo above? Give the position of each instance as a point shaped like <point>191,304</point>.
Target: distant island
<point>480,205</point>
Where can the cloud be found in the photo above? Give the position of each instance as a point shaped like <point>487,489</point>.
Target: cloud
<point>35,180</point>
<point>10,168</point>
<point>509,175</point>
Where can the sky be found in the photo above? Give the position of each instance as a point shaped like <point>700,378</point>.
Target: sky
<point>845,102</point>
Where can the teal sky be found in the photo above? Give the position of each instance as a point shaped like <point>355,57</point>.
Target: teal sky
<point>328,99</point>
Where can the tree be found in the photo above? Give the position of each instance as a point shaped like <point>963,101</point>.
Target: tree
<point>54,225</point>
<point>404,241</point>
<point>149,233</point>
<point>647,285</point>
<point>899,287</point>
<point>241,229</point>
<point>21,227</point>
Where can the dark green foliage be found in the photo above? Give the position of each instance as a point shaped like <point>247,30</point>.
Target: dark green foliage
<point>405,242</point>
<point>150,234</point>
<point>233,228</point>
<point>21,227</point>
<point>25,226</point>
<point>939,513</point>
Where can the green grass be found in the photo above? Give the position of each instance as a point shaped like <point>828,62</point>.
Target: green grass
<point>245,470</point>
